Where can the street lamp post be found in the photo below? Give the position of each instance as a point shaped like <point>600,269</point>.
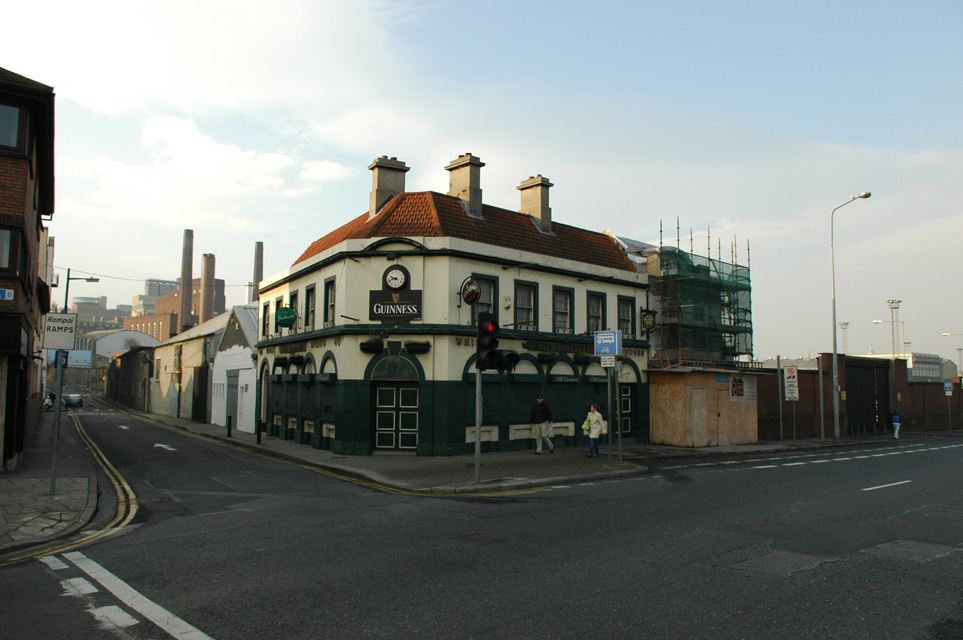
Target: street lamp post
<point>832,263</point>
<point>61,365</point>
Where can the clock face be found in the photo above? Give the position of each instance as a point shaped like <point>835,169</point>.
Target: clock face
<point>395,278</point>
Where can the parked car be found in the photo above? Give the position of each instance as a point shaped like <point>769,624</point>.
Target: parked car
<point>73,400</point>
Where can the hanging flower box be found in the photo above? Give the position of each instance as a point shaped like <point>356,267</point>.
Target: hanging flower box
<point>372,346</point>
<point>546,357</point>
<point>415,347</point>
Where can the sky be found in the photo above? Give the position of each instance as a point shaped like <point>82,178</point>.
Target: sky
<point>731,128</point>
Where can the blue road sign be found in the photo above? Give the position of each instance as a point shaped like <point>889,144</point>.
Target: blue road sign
<point>608,343</point>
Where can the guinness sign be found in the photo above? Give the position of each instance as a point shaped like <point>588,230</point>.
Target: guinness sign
<point>394,306</point>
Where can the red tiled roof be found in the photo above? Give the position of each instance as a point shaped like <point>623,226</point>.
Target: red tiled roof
<point>433,215</point>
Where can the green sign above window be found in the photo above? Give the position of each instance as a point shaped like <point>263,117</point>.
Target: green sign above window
<point>286,317</point>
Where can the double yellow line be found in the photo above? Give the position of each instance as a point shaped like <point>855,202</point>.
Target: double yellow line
<point>126,507</point>
<point>328,473</point>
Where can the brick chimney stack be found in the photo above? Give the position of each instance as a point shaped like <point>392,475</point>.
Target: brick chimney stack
<point>387,181</point>
<point>535,201</point>
<point>464,180</point>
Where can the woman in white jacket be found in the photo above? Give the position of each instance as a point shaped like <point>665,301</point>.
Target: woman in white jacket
<point>596,426</point>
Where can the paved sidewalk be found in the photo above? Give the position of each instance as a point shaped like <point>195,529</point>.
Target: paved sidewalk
<point>30,516</point>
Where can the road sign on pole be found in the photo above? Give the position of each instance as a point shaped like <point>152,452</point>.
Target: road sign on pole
<point>608,343</point>
<point>59,331</point>
<point>791,383</point>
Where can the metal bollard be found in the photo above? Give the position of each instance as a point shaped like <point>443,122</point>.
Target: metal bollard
<point>229,426</point>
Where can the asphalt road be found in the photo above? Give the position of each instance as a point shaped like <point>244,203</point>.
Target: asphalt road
<point>861,543</point>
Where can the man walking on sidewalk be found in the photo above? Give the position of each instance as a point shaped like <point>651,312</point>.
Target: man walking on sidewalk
<point>541,424</point>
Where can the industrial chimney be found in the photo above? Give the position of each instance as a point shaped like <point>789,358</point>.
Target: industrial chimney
<point>207,287</point>
<point>258,269</point>
<point>187,268</point>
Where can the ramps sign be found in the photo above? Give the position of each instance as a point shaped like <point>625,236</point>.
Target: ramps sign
<point>59,331</point>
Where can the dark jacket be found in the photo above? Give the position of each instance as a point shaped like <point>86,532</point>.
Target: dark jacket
<point>541,413</point>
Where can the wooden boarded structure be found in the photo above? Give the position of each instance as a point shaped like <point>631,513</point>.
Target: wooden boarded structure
<point>703,408</point>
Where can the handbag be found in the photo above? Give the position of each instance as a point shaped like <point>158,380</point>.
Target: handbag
<point>585,426</point>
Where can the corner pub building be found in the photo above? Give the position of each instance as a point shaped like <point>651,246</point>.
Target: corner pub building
<point>379,352</point>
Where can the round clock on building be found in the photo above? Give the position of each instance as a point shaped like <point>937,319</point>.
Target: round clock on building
<point>396,278</point>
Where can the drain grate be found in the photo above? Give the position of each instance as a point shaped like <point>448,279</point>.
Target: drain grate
<point>910,550</point>
<point>779,563</point>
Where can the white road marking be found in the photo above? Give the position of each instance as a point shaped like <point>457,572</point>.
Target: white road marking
<point>77,587</point>
<point>793,464</point>
<point>165,446</point>
<point>163,618</point>
<point>124,427</point>
<point>765,466</point>
<point>115,616</point>
<point>883,486</point>
<point>53,562</point>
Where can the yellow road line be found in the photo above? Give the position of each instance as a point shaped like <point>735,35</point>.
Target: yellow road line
<point>371,484</point>
<point>126,507</point>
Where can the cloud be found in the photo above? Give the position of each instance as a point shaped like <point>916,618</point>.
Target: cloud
<point>327,171</point>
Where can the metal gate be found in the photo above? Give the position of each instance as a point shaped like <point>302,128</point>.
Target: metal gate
<point>867,398</point>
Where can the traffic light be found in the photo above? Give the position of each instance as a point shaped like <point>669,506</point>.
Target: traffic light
<point>486,347</point>
<point>487,354</point>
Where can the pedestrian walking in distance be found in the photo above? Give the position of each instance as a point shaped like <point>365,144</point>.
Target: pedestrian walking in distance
<point>541,423</point>
<point>596,427</point>
<point>896,425</point>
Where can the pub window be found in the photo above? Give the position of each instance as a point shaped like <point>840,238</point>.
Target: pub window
<point>562,310</point>
<point>487,293</point>
<point>309,303</point>
<point>627,317</point>
<point>293,303</point>
<point>266,319</point>
<point>595,307</point>
<point>329,301</point>
<point>525,305</point>
<point>277,307</point>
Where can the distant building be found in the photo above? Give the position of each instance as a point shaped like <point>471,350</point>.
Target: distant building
<point>158,325</point>
<point>144,305</point>
<point>920,367</point>
<point>26,200</point>
<point>157,288</point>
<point>98,302</point>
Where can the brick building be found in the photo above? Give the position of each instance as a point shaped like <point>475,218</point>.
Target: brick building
<point>26,200</point>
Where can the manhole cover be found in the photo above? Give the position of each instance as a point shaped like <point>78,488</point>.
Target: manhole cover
<point>779,563</point>
<point>909,550</point>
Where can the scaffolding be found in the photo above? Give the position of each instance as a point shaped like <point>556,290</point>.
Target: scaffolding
<point>706,310</point>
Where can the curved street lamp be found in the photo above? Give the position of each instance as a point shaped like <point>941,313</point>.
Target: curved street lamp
<point>832,262</point>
